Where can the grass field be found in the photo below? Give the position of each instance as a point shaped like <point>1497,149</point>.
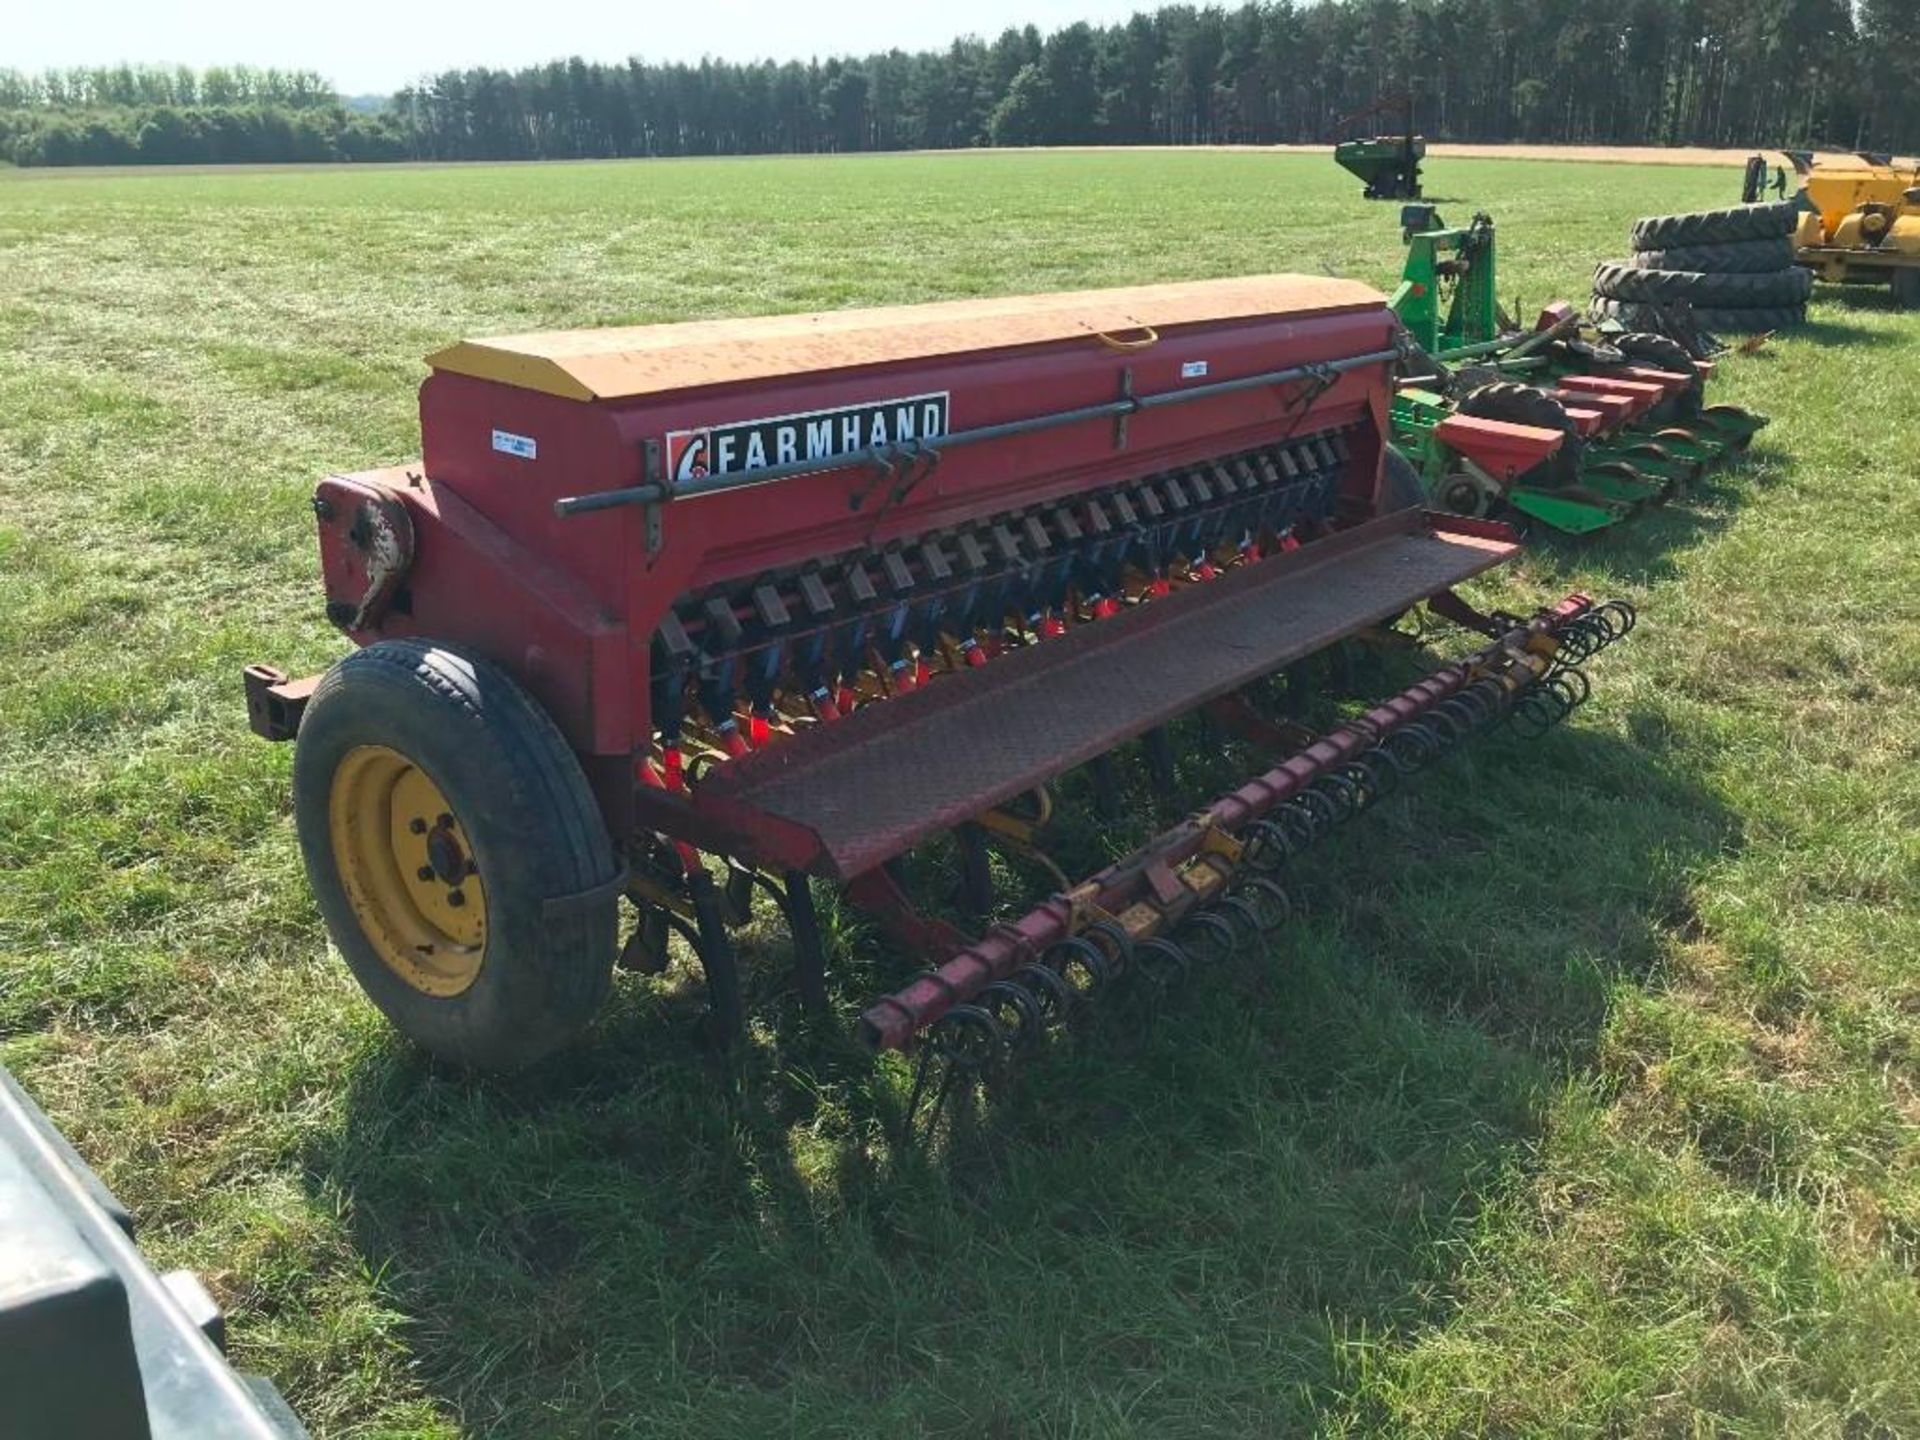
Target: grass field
<point>1586,1100</point>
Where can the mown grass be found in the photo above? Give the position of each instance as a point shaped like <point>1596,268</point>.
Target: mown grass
<point>1584,1100</point>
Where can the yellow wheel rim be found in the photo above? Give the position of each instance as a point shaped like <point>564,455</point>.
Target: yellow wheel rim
<point>408,870</point>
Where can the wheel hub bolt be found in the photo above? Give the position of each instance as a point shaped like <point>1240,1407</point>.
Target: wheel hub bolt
<point>456,897</point>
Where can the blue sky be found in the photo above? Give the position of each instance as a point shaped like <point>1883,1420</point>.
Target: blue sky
<point>379,45</point>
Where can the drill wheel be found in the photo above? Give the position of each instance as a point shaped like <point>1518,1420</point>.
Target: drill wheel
<point>456,852</point>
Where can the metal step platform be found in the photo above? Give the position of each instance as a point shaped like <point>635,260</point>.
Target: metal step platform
<point>872,785</point>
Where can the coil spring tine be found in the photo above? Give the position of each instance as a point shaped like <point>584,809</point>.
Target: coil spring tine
<point>1468,714</point>
<point>1498,696</point>
<point>1623,616</point>
<point>1534,715</point>
<point>1382,773</point>
<point>1207,937</point>
<point>1482,704</point>
<point>1112,938</point>
<point>1269,903</point>
<point>1447,727</point>
<point>1461,713</point>
<point>1577,686</point>
<point>1163,963</point>
<point>1239,913</point>
<point>1358,786</point>
<point>1309,813</point>
<point>1054,996</point>
<point>1598,618</point>
<point>1340,796</point>
<point>966,1039</point>
<point>1268,847</point>
<point>1478,702</point>
<point>1365,790</point>
<point>1074,957</point>
<point>1002,999</point>
<point>1341,792</point>
<point>1412,746</point>
<point>1583,637</point>
<point>971,1039</point>
<point>1430,737</point>
<point>1387,766</point>
<point>1556,703</point>
<point>1297,818</point>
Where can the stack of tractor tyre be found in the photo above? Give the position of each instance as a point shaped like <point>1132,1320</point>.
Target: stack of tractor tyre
<point>1722,270</point>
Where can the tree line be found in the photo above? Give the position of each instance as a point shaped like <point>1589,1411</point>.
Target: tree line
<point>88,87</point>
<point>172,115</point>
<point>1653,72</point>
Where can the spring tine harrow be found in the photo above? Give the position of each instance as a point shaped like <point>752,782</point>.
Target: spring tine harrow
<point>1208,892</point>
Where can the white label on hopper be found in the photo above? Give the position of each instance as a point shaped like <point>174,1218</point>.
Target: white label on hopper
<point>508,443</point>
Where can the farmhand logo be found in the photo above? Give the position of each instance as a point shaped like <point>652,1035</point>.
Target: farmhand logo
<point>749,445</point>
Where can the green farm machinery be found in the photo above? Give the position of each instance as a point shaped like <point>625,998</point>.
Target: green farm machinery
<point>1575,426</point>
<point>1388,165</point>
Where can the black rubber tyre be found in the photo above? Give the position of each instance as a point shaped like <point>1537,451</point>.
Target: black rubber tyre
<point>1732,257</point>
<point>1790,286</point>
<point>1906,288</point>
<point>1400,487</point>
<point>529,823</point>
<point>1746,321</point>
<point>1523,405</point>
<point>1714,227</point>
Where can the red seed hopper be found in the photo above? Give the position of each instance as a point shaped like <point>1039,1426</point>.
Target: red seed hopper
<point>679,615</point>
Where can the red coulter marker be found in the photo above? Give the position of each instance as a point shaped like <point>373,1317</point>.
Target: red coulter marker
<point>776,525</point>
<point>731,740</point>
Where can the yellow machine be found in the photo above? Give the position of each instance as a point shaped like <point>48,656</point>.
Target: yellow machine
<point>1860,221</point>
